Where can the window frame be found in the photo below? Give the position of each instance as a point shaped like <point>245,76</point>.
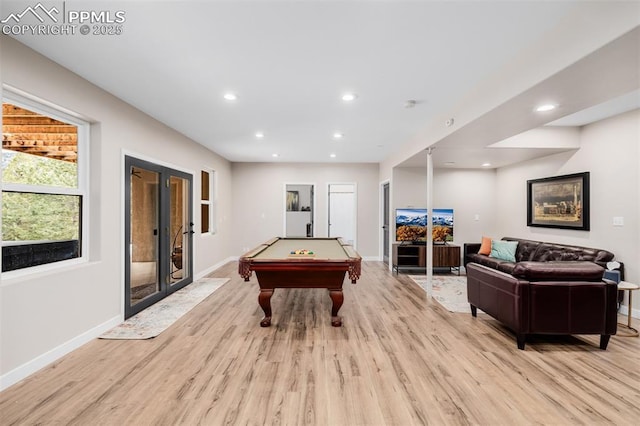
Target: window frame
<point>51,110</point>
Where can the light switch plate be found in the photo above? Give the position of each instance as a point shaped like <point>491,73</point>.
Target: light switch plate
<point>618,221</point>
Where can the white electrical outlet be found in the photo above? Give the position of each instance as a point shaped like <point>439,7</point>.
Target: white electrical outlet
<point>618,221</point>
<point>476,217</point>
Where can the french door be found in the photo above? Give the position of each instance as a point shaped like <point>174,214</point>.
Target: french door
<point>158,233</point>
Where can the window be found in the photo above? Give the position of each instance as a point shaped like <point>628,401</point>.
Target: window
<point>208,202</point>
<point>43,184</point>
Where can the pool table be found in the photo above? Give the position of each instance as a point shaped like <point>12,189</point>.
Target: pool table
<point>323,263</point>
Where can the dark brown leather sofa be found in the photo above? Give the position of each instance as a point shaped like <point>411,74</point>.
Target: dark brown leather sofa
<point>550,289</point>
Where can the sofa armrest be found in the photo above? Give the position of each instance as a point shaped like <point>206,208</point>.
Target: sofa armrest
<point>501,295</point>
<point>469,248</point>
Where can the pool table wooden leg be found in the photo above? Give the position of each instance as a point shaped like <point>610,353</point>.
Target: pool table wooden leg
<point>337,298</point>
<point>264,299</point>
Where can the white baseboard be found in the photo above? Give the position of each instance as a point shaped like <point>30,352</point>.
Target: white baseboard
<point>212,268</point>
<point>25,370</point>
<point>624,310</point>
<point>14,376</point>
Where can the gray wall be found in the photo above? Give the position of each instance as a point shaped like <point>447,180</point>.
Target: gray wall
<point>44,315</point>
<point>609,150</point>
<point>468,192</point>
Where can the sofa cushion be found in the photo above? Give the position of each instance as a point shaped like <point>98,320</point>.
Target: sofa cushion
<point>539,251</point>
<point>505,266</point>
<point>504,250</point>
<point>558,271</point>
<point>549,252</point>
<point>485,247</point>
<point>526,250</point>
<point>490,262</point>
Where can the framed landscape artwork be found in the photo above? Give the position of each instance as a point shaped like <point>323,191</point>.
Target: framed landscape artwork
<point>559,202</point>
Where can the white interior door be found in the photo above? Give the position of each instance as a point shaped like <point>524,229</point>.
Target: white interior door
<point>342,212</point>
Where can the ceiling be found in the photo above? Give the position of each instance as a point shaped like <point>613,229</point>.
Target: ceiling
<point>289,63</point>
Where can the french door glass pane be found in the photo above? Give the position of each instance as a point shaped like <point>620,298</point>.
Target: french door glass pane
<point>143,246</point>
<point>180,228</point>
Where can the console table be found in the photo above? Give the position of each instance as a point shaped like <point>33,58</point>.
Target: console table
<point>414,256</point>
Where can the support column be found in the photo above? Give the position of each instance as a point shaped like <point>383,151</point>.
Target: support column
<point>429,248</point>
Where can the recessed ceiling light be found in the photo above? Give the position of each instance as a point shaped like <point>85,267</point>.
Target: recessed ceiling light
<point>230,96</point>
<point>259,135</point>
<point>275,155</point>
<point>486,164</point>
<point>337,135</point>
<point>546,107</point>
<point>332,155</point>
<point>348,97</point>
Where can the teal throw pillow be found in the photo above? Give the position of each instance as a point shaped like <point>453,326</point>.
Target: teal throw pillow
<point>504,250</point>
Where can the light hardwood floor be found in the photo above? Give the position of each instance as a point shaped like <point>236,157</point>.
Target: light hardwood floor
<point>399,359</point>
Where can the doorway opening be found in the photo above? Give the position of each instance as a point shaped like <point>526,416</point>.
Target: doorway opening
<point>299,210</point>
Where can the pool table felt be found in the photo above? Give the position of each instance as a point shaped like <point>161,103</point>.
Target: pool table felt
<point>323,249</point>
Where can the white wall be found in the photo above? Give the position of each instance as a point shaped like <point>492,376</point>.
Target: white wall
<point>258,204</point>
<point>609,151</point>
<point>468,192</point>
<point>44,315</point>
